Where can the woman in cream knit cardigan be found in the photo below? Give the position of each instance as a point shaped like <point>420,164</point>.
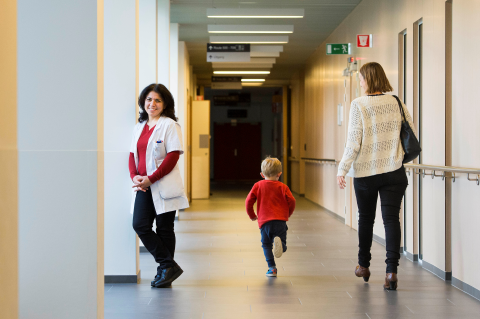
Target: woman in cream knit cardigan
<point>375,153</point>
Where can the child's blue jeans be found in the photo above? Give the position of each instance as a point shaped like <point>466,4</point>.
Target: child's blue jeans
<point>269,231</point>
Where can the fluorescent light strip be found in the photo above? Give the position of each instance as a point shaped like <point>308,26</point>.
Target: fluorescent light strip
<point>252,61</point>
<point>260,42</point>
<point>248,39</point>
<point>250,13</point>
<point>259,17</point>
<point>217,28</point>
<point>250,32</point>
<point>252,84</point>
<point>241,72</point>
<point>246,65</point>
<point>253,80</point>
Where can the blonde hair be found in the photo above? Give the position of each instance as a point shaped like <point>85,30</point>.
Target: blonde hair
<point>375,77</point>
<point>271,166</point>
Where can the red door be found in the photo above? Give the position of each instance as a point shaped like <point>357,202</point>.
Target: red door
<point>237,152</point>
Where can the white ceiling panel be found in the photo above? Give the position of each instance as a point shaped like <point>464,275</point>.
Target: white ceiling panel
<point>264,54</point>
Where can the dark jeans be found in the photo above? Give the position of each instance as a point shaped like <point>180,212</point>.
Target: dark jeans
<point>269,231</point>
<point>391,187</point>
<point>162,243</point>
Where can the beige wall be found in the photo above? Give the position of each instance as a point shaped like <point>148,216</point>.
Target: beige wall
<point>324,89</point>
<point>465,150</point>
<point>8,162</point>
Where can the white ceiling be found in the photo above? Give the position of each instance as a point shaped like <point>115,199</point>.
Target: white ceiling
<point>321,18</point>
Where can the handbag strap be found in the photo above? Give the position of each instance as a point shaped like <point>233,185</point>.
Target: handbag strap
<point>402,113</point>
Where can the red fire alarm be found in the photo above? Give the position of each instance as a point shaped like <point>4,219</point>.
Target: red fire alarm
<point>364,40</point>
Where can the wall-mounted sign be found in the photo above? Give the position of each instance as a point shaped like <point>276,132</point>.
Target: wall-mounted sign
<point>226,82</point>
<point>338,48</point>
<point>228,52</point>
<point>232,99</point>
<point>364,40</point>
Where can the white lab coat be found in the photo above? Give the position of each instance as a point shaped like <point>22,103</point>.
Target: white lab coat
<point>168,131</point>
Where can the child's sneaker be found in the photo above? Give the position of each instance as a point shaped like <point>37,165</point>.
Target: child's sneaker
<point>277,247</point>
<point>272,272</point>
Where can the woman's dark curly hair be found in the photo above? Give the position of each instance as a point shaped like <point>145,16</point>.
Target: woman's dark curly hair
<point>165,95</point>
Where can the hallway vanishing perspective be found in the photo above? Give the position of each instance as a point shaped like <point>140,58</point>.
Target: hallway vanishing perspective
<point>219,248</point>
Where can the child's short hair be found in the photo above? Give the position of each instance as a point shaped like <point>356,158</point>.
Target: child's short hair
<point>271,166</point>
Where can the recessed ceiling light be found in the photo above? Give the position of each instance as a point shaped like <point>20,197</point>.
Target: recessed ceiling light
<point>246,65</point>
<point>241,72</point>
<point>253,61</point>
<point>252,84</point>
<point>249,39</point>
<point>216,28</point>
<point>253,80</point>
<point>255,13</point>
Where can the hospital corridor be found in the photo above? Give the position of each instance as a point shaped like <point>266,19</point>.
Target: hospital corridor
<point>268,159</point>
<point>224,273</point>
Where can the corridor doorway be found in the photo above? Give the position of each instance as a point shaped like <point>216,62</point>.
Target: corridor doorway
<point>238,151</point>
<point>246,126</point>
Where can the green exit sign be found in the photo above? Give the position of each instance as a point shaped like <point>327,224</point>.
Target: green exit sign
<point>338,48</point>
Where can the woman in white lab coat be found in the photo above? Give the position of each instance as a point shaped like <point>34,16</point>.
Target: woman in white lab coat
<point>157,185</point>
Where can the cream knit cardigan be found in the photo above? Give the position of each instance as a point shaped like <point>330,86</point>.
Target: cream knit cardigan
<point>373,141</point>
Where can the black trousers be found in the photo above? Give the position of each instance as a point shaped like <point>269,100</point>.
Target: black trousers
<point>161,244</point>
<point>391,187</point>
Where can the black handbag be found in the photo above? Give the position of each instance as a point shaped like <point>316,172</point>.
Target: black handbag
<point>410,143</point>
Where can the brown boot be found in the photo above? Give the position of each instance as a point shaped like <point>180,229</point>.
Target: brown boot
<point>362,272</point>
<point>390,281</point>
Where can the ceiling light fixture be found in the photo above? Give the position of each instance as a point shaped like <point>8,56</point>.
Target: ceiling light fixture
<point>252,84</point>
<point>215,28</point>
<point>241,72</point>
<point>249,39</point>
<point>252,61</point>
<point>246,65</point>
<point>253,80</point>
<point>250,13</point>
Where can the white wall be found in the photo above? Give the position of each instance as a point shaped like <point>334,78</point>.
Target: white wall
<point>119,120</point>
<point>465,119</point>
<point>57,143</point>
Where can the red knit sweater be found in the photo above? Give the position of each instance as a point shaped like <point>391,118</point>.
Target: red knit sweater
<point>166,167</point>
<point>274,201</point>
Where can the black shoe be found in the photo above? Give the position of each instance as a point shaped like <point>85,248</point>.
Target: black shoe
<point>158,275</point>
<point>168,275</point>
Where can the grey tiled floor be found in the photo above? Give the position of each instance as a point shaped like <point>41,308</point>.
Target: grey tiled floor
<point>219,249</point>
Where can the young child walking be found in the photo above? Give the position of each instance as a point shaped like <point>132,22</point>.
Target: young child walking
<point>275,204</point>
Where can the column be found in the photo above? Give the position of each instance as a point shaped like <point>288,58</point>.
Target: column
<point>163,42</point>
<point>119,120</point>
<point>8,162</point>
<point>147,43</point>
<point>182,103</point>
<point>60,230</point>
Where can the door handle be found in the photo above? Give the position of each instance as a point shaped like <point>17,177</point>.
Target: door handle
<point>235,152</point>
